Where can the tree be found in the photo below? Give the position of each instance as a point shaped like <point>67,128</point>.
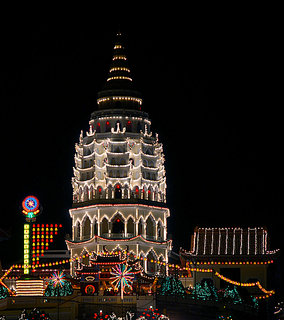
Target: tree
<point>205,291</point>
<point>3,292</point>
<point>172,286</point>
<point>232,295</point>
<point>58,290</point>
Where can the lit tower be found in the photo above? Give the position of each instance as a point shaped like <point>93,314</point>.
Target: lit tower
<point>119,182</point>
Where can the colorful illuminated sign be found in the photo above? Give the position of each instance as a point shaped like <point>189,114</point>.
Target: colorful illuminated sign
<point>30,208</point>
<point>26,248</point>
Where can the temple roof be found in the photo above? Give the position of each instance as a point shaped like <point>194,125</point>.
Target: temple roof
<point>118,91</point>
<point>228,242</point>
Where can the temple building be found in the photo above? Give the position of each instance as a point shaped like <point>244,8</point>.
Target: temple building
<point>119,182</point>
<point>239,255</point>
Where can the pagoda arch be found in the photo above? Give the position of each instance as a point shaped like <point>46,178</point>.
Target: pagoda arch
<point>117,191</point>
<point>95,227</point>
<point>150,228</point>
<point>117,224</point>
<point>150,193</point>
<point>86,232</point>
<point>104,226</point>
<point>160,230</point>
<point>141,224</point>
<point>130,227</point>
<point>99,192</point>
<point>136,192</point>
<point>78,230</point>
<point>85,193</point>
<point>151,262</point>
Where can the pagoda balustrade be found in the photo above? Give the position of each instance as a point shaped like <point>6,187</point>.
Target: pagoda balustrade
<point>149,230</point>
<point>118,235</point>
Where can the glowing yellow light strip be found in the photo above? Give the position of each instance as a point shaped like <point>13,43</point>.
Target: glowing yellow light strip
<point>119,78</point>
<point>26,248</point>
<point>119,69</point>
<point>127,98</point>
<point>119,58</point>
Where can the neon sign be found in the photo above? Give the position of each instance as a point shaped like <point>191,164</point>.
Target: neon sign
<point>30,207</point>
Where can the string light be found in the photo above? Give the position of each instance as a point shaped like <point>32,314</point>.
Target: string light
<point>119,57</point>
<point>119,69</point>
<point>119,78</point>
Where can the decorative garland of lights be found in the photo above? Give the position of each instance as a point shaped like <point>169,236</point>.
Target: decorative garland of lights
<point>119,78</point>
<point>215,273</point>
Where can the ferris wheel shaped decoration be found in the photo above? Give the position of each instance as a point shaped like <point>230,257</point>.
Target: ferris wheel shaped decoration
<point>122,278</point>
<point>31,208</point>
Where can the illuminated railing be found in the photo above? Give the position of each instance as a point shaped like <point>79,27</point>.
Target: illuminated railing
<point>117,235</point>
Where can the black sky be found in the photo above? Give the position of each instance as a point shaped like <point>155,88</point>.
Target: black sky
<point>212,89</point>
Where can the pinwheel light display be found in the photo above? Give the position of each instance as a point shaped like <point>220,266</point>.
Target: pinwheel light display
<point>57,279</point>
<point>58,285</point>
<point>122,278</point>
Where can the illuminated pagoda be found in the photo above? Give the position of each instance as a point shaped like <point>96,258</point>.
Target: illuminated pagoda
<point>234,254</point>
<point>119,182</point>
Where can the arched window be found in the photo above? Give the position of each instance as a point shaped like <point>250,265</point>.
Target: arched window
<point>108,126</point>
<point>156,194</point>
<point>140,227</point>
<point>87,228</point>
<point>98,127</point>
<point>78,231</point>
<point>126,189</point>
<point>99,192</point>
<point>104,229</point>
<point>95,226</point>
<point>91,192</point>
<point>117,224</point>
<point>151,265</point>
<point>117,191</point>
<point>80,194</point>
<point>150,193</point>
<point>129,126</point>
<point>136,192</point>
<point>150,225</point>
<point>130,228</point>
<point>160,233</point>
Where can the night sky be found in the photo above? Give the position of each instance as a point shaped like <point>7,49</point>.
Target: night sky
<point>211,88</point>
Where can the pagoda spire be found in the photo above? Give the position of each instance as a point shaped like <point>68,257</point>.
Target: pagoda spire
<point>118,91</point>
<point>119,72</point>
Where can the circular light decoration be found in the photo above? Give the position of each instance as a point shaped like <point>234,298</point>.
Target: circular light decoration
<point>90,289</point>
<point>30,208</point>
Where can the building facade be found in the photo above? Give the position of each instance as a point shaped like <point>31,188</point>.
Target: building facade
<point>234,254</point>
<point>119,182</point>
